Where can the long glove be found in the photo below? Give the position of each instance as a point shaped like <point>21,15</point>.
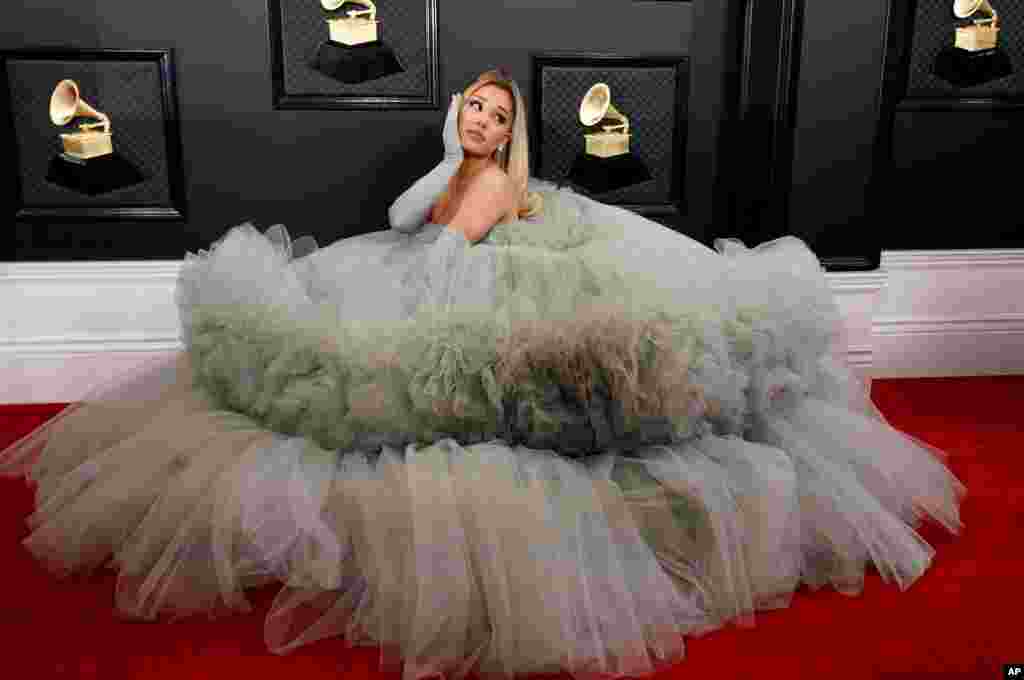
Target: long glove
<point>410,210</point>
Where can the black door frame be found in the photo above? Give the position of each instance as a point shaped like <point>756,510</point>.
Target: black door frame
<point>745,74</point>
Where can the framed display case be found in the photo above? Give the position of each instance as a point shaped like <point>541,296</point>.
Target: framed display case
<point>613,126</point>
<point>354,54</point>
<point>91,134</point>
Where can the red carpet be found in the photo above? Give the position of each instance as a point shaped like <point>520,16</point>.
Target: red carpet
<point>962,619</point>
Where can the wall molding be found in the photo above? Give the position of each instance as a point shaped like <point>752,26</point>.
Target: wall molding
<point>950,313</point>
<point>857,295</point>
<point>71,326</point>
<point>856,282</point>
<point>70,272</point>
<point>861,358</point>
<point>89,344</point>
<point>106,318</point>
<point>946,259</point>
<point>913,317</point>
<point>950,325</point>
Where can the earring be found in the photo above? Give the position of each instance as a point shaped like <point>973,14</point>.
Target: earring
<point>501,148</point>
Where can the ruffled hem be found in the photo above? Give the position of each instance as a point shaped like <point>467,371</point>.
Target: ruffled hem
<point>488,559</point>
<point>471,551</point>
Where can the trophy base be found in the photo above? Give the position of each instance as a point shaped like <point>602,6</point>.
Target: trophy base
<point>599,175</point>
<point>357,63</point>
<point>964,68</point>
<point>93,176</point>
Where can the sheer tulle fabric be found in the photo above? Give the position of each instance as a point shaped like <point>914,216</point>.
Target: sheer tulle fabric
<point>340,424</point>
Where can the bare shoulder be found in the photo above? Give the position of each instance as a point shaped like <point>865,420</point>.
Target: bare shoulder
<point>496,184</point>
<point>493,178</point>
<point>489,197</point>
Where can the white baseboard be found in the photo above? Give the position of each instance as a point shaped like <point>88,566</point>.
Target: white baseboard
<point>950,313</point>
<point>949,346</point>
<point>72,326</point>
<point>857,295</point>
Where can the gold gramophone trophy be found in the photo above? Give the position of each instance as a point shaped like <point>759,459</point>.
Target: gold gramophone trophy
<point>983,31</point>
<point>975,56</point>
<point>354,51</point>
<point>597,111</point>
<point>66,103</point>
<point>355,24</point>
<point>87,162</point>
<point>606,163</point>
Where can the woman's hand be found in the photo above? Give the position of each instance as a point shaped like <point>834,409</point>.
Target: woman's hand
<point>452,141</point>
<point>412,209</point>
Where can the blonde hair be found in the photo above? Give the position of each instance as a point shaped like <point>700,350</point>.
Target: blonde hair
<point>515,158</point>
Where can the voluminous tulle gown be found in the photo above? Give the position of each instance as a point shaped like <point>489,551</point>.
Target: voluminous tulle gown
<point>565,447</point>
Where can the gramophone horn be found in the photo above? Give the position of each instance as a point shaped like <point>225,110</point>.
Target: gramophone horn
<point>595,104</point>
<point>363,5</point>
<point>66,103</point>
<point>979,10</point>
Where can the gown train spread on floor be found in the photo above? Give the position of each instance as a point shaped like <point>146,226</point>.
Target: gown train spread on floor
<point>563,448</point>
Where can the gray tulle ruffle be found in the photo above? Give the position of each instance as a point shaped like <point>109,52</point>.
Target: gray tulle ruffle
<point>560,449</point>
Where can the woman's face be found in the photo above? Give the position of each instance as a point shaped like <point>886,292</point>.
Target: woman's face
<point>486,120</point>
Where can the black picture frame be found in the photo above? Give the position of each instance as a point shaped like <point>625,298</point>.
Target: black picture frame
<point>903,34</point>
<point>673,204</point>
<point>338,95</point>
<point>901,94</point>
<point>168,184</point>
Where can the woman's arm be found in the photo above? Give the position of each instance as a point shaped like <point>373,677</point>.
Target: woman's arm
<point>410,210</point>
<point>488,199</point>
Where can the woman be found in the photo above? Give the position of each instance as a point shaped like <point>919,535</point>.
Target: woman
<point>481,180</point>
<point>520,431</point>
<point>490,183</point>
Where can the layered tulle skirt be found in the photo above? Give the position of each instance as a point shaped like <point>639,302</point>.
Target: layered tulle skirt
<point>474,552</point>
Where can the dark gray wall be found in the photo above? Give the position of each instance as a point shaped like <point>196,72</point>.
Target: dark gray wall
<point>326,173</point>
<point>939,182</point>
<point>333,173</point>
